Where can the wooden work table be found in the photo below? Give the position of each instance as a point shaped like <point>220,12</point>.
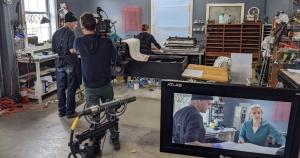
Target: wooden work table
<point>289,79</point>
<point>209,73</point>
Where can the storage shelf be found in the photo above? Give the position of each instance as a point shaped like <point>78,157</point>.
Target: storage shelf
<point>233,29</point>
<point>252,29</point>
<point>214,47</point>
<point>231,36</point>
<point>214,40</point>
<point>52,89</point>
<point>233,39</point>
<point>249,48</point>
<point>250,40</point>
<point>215,32</point>
<point>251,36</point>
<point>216,36</point>
<point>250,44</point>
<point>232,44</point>
<point>35,74</point>
<point>246,32</point>
<point>214,43</point>
<point>24,78</point>
<point>233,47</point>
<point>237,32</point>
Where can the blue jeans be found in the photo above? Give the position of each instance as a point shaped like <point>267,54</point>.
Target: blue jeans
<point>66,80</point>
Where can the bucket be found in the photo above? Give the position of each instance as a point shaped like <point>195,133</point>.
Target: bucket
<point>136,86</point>
<point>24,97</point>
<point>23,92</point>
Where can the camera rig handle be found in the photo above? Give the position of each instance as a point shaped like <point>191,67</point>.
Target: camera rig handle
<point>97,132</point>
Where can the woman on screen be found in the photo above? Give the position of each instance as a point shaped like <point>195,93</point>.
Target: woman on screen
<point>257,131</point>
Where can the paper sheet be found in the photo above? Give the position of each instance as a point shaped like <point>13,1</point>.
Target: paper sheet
<point>293,70</point>
<point>134,49</point>
<point>192,73</point>
<point>241,68</point>
<point>248,147</point>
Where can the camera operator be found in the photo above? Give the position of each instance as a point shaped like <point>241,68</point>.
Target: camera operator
<point>97,55</point>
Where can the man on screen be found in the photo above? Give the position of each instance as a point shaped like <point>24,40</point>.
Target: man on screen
<point>188,125</point>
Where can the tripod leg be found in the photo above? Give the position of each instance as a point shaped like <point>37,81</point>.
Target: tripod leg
<point>261,71</point>
<point>265,69</point>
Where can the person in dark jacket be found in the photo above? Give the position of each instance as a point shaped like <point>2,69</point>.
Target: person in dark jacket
<point>67,66</point>
<point>146,39</point>
<point>188,125</point>
<point>97,57</point>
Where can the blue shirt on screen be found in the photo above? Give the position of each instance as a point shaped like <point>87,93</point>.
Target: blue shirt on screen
<point>260,136</point>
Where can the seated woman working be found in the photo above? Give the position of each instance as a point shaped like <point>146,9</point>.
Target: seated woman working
<point>257,130</point>
<point>146,39</point>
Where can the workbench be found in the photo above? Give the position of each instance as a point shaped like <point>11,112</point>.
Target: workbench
<point>206,73</point>
<point>193,57</point>
<point>289,79</point>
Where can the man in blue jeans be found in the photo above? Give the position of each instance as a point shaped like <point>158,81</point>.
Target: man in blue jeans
<point>97,56</point>
<point>67,66</point>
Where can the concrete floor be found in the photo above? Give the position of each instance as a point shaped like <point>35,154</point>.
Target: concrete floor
<point>40,133</point>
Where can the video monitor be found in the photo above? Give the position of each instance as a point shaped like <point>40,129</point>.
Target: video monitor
<point>229,121</point>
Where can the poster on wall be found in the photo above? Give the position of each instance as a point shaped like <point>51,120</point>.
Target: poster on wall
<point>225,13</point>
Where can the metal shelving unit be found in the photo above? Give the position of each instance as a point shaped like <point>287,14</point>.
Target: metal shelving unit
<point>35,69</point>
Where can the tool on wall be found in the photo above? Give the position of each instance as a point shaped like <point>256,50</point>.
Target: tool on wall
<point>8,2</point>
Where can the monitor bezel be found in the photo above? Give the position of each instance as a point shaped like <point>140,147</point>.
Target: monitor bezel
<point>169,87</point>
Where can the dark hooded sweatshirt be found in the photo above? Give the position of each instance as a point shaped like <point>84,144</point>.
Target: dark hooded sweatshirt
<point>97,56</point>
<point>146,39</point>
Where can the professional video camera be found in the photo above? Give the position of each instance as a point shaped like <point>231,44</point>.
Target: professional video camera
<point>98,128</point>
<point>103,26</point>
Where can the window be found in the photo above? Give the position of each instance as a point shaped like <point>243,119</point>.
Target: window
<point>35,11</point>
<point>171,18</point>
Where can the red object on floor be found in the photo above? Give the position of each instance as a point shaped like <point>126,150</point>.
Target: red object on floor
<point>25,100</point>
<point>131,18</point>
<point>8,105</point>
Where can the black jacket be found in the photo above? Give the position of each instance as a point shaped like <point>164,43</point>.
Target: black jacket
<point>146,39</point>
<point>62,42</point>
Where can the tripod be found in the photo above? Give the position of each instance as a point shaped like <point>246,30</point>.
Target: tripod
<point>263,70</point>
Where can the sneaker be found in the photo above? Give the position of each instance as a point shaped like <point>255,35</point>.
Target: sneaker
<point>116,144</point>
<point>62,114</point>
<point>72,115</point>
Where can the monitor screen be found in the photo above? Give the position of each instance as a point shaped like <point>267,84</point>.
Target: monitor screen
<point>216,120</point>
